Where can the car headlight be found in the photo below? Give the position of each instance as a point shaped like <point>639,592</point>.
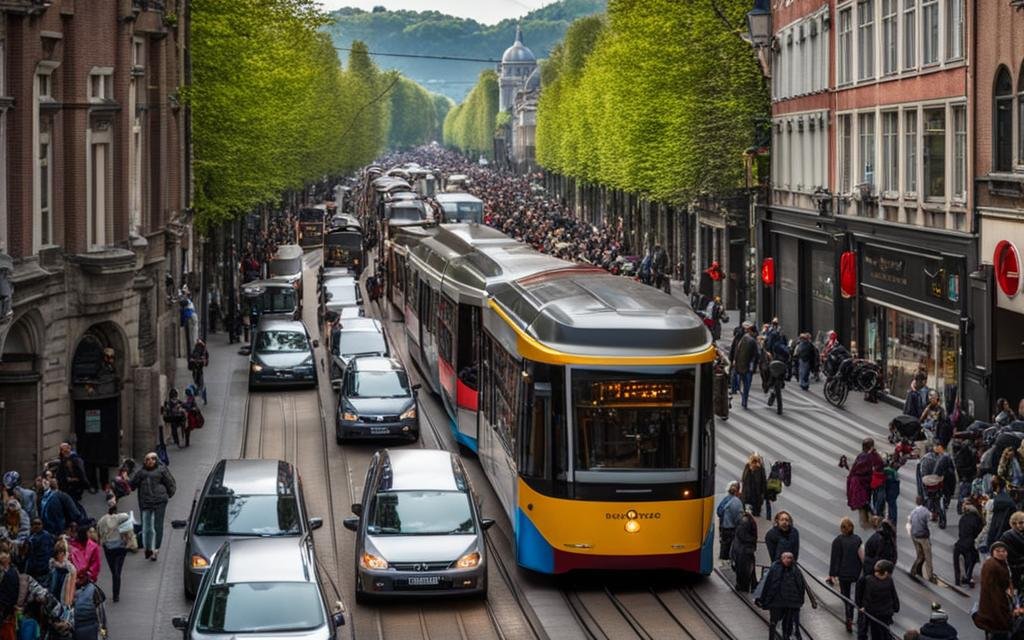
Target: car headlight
<point>256,368</point>
<point>409,414</point>
<point>370,561</point>
<point>199,562</point>
<point>468,561</point>
<point>349,416</point>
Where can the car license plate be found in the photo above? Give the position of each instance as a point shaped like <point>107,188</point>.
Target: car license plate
<point>424,581</point>
<point>379,431</point>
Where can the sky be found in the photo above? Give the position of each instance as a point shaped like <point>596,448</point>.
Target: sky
<point>485,11</point>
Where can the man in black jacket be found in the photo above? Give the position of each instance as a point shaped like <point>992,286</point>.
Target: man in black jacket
<point>783,595</point>
<point>877,600</point>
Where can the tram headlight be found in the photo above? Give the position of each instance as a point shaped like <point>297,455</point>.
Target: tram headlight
<point>632,521</point>
<point>370,561</point>
<point>468,561</point>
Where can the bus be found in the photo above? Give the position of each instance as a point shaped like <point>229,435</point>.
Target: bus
<point>460,207</point>
<point>586,397</point>
<point>309,226</point>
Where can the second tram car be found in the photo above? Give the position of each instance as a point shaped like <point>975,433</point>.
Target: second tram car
<point>586,396</point>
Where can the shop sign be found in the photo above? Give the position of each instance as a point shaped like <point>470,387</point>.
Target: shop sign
<point>1006,262</point>
<point>768,272</point>
<point>93,421</point>
<point>912,276</point>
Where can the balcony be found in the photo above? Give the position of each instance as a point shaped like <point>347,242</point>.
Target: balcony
<point>24,7</point>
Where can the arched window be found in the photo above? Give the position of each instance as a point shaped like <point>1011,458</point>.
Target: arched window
<point>1003,121</point>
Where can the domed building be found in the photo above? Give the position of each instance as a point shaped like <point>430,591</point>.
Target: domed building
<point>519,88</point>
<point>517,63</point>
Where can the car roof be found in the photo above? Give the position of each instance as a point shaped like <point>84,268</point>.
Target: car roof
<point>420,470</point>
<point>338,280</point>
<point>362,324</point>
<point>279,324</point>
<point>375,363</point>
<point>281,559</point>
<point>287,252</point>
<point>252,477</point>
<point>456,196</point>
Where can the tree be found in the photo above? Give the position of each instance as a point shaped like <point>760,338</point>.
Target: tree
<point>470,125</point>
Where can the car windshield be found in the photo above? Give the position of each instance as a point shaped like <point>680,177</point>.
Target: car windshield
<point>280,342</point>
<point>261,607</point>
<point>285,266</point>
<point>254,515</point>
<point>406,213</point>
<point>463,211</point>
<point>341,293</point>
<point>352,342</point>
<point>420,513</point>
<point>378,384</point>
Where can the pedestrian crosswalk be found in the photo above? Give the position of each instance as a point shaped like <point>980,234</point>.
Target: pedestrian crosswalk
<point>812,435</point>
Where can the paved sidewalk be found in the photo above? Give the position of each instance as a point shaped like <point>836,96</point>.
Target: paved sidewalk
<point>151,592</point>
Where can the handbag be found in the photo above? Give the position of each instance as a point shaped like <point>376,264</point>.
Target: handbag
<point>877,479</point>
<point>774,485</point>
<point>128,526</point>
<point>195,420</point>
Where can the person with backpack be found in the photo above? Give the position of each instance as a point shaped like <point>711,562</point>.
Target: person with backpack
<point>174,415</point>
<point>729,511</point>
<point>778,367</point>
<point>193,416</point>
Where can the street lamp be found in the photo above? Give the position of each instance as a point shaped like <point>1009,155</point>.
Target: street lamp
<point>759,24</point>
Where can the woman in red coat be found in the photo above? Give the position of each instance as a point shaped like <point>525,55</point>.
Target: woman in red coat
<point>858,483</point>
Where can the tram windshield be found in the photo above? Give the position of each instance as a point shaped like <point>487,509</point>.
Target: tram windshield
<point>634,420</point>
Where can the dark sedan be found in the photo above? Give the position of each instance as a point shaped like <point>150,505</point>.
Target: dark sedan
<point>376,401</point>
<point>282,355</point>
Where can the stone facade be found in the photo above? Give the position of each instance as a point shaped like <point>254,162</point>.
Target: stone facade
<point>94,213</point>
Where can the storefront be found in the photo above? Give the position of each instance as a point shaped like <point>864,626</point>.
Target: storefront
<point>1002,247</point>
<point>910,311</point>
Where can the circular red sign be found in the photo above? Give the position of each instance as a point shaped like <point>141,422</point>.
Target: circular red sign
<point>1007,267</point>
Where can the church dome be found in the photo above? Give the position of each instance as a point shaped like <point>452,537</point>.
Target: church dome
<point>518,52</point>
<point>533,81</point>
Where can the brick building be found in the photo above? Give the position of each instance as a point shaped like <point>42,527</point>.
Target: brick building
<point>872,151</point>
<point>998,124</point>
<point>93,217</point>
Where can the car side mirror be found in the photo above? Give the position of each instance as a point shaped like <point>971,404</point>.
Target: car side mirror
<point>417,387</point>
<point>316,344</point>
<point>179,524</point>
<point>357,508</point>
<point>180,622</point>
<point>339,618</point>
<point>486,523</point>
<point>315,523</point>
<point>351,523</point>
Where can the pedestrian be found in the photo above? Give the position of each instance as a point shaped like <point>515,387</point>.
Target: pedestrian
<point>9,590</point>
<point>71,472</point>
<point>198,360</point>
<point>193,416</point>
<point>38,551</point>
<point>754,484</point>
<point>1004,415</point>
<point>746,361</point>
<point>729,511</point>
<point>62,577</point>
<point>920,534</point>
<point>866,475</point>
<point>917,395</point>
<point>890,493</point>
<point>937,627</point>
<point>174,415</point>
<point>936,481</point>
<point>1002,507</point>
<point>846,565</point>
<point>27,497</point>
<point>831,342</point>
<point>783,595</point>
<point>932,414</point>
<point>17,523</point>
<point>742,550</point>
<point>1014,541</point>
<point>85,554</point>
<point>877,600</point>
<point>965,553</point>
<point>57,508</point>
<point>995,613</point>
<point>114,545</point>
<point>806,357</point>
<point>782,537</point>
<point>715,314</point>
<point>734,375</point>
<point>156,487</point>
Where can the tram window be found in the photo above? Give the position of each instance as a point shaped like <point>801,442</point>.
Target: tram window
<point>485,379</point>
<point>414,287</point>
<point>633,420</point>
<point>468,329</point>
<point>444,331</point>
<point>536,433</point>
<point>507,383</point>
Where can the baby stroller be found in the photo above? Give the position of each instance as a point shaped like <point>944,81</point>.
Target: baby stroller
<point>904,427</point>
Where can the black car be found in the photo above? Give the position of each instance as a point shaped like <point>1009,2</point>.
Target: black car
<point>282,355</point>
<point>376,401</point>
<point>241,499</point>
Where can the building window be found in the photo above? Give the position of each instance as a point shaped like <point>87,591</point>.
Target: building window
<point>44,162</point>
<point>890,22</point>
<point>99,188</point>
<point>891,151</point>
<point>910,149</point>
<point>1003,159</point>
<point>910,34</point>
<point>866,39</point>
<point>44,86</point>
<point>930,31</point>
<point>101,86</point>
<point>845,46</point>
<point>866,132</point>
<point>934,153</point>
<point>960,152</point>
<point>845,149</point>
<point>954,29</point>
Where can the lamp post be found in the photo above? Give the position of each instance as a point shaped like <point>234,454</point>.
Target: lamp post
<point>759,28</point>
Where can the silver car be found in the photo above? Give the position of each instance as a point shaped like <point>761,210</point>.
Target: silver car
<point>241,499</point>
<point>266,588</point>
<point>418,528</point>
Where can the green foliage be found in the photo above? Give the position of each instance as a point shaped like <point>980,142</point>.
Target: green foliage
<point>272,107</point>
<point>444,35</point>
<point>416,114</point>
<point>652,99</point>
<point>470,125</point>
